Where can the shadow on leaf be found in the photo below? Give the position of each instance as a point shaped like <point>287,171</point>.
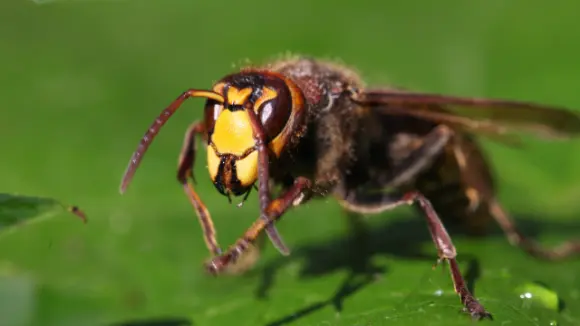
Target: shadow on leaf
<point>402,238</point>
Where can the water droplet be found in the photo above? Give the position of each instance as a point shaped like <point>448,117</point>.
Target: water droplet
<point>526,295</point>
<point>438,293</point>
<point>553,323</point>
<point>534,292</point>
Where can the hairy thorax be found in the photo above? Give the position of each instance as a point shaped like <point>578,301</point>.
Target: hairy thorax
<point>327,149</point>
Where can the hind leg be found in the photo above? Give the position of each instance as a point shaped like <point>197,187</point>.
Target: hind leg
<point>516,238</point>
<point>479,189</point>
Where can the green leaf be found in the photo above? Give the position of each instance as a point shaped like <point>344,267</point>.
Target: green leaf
<point>537,293</point>
<point>83,80</point>
<point>18,210</point>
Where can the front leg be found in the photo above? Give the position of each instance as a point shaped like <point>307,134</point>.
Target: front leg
<point>185,177</point>
<point>272,212</point>
<point>264,182</point>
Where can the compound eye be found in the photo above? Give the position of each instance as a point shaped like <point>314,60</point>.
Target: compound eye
<point>274,111</point>
<point>212,110</point>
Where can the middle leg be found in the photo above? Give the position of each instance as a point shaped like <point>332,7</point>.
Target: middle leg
<point>445,248</point>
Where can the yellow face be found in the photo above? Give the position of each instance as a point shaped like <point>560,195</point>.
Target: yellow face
<point>232,154</point>
<point>232,157</point>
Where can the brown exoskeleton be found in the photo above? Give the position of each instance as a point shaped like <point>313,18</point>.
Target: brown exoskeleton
<point>312,127</point>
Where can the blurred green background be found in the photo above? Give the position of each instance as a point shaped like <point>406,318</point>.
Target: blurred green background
<point>80,82</point>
